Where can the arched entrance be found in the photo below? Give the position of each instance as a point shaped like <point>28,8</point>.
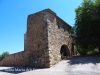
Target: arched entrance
<point>64,51</point>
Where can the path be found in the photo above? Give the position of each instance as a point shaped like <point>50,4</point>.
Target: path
<point>86,65</point>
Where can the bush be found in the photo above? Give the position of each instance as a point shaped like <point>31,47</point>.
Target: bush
<point>89,51</point>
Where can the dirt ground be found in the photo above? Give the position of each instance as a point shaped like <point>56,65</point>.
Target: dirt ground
<point>79,65</point>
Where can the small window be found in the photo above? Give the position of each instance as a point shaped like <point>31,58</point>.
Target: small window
<point>38,46</point>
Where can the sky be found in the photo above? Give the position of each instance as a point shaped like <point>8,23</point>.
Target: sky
<point>13,19</point>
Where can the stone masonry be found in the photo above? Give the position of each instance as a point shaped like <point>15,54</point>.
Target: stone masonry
<point>46,39</point>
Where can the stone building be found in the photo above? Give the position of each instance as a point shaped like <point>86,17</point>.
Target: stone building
<point>46,39</point>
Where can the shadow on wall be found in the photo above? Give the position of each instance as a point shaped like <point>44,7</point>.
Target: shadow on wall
<point>17,70</point>
<point>84,59</point>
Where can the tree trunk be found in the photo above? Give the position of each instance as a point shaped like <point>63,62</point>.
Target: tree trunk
<point>99,49</point>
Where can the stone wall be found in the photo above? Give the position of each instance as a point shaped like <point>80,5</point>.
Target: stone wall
<point>58,35</point>
<point>36,42</point>
<point>13,59</point>
<point>46,34</point>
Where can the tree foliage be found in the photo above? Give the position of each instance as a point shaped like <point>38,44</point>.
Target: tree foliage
<point>87,25</point>
<point>4,54</point>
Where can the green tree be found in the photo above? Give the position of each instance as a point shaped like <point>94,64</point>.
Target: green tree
<point>87,25</point>
<point>4,54</point>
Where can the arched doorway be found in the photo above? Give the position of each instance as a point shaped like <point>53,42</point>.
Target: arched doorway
<point>64,51</point>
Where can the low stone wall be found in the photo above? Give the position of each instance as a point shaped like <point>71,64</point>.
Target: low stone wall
<point>13,59</point>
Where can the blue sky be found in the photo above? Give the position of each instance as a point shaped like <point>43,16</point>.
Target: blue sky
<point>13,19</point>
